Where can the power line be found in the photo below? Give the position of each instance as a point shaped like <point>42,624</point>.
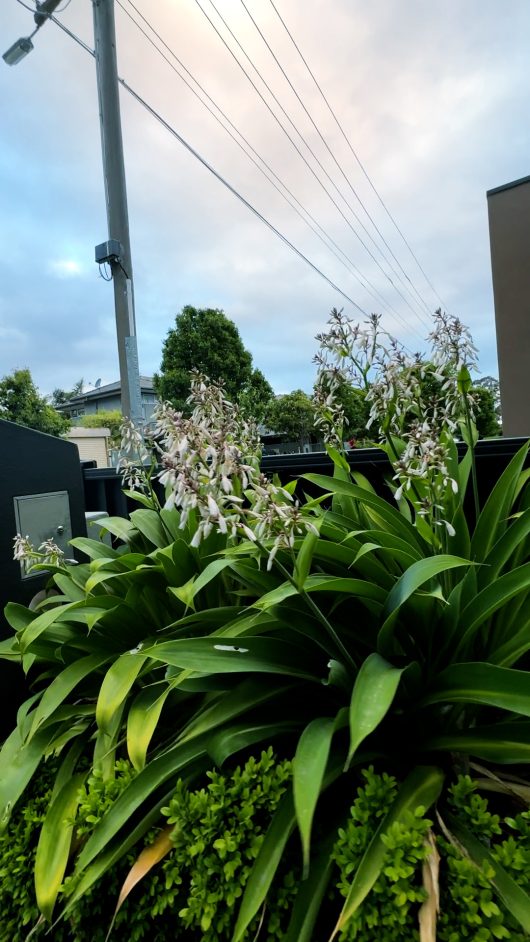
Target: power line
<point>286,132</point>
<point>295,204</point>
<point>155,114</point>
<point>361,166</point>
<point>342,172</point>
<point>322,234</point>
<point>205,163</point>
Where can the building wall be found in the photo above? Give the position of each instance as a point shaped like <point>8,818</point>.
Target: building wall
<point>92,444</point>
<point>509,222</point>
<point>111,402</point>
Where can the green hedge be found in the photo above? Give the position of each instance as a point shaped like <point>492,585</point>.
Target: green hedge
<point>217,830</point>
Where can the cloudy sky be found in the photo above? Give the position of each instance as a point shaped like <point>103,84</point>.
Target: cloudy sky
<point>434,102</point>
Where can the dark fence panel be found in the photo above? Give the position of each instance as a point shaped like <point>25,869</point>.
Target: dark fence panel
<point>30,464</point>
<point>103,486</point>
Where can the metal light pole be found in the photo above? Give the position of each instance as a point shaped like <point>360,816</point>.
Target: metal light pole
<point>119,256</point>
<point>117,250</point>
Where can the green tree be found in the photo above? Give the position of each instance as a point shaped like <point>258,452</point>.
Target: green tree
<point>356,411</point>
<point>105,418</point>
<point>291,415</point>
<point>20,402</point>
<point>60,397</point>
<point>486,415</point>
<point>256,396</point>
<point>203,339</point>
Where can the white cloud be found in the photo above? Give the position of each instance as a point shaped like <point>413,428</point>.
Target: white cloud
<point>65,268</point>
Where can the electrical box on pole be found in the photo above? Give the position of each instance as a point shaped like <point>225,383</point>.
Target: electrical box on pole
<point>116,200</point>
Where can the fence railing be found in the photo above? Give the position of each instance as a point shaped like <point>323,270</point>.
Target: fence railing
<point>103,487</point>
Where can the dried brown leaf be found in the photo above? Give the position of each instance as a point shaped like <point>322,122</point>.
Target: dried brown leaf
<point>428,913</point>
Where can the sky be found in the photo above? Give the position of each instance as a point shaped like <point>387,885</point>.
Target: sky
<point>433,100</point>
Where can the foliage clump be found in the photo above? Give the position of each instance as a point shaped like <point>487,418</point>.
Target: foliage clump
<point>18,846</point>
<point>20,402</point>
<point>390,910</point>
<point>218,831</point>
<point>192,895</point>
<point>470,908</point>
<point>206,340</point>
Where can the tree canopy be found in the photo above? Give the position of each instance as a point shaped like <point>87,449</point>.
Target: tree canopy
<point>105,418</point>
<point>21,403</point>
<point>256,397</point>
<point>291,415</point>
<point>203,339</point>
<point>60,397</point>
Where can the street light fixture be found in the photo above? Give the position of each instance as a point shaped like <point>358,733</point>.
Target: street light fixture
<point>18,50</point>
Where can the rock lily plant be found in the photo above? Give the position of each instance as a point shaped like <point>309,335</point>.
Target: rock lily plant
<point>346,626</point>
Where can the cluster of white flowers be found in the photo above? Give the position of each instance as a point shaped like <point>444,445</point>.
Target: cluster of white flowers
<point>343,358</point>
<point>210,463</point>
<point>133,458</point>
<point>453,350</point>
<point>424,462</point>
<point>412,397</point>
<point>48,552</point>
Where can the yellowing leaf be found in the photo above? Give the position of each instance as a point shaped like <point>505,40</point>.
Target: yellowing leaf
<point>148,859</point>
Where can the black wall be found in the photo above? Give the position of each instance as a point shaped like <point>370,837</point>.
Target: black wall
<point>30,463</point>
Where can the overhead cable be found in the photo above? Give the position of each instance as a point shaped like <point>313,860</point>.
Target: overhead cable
<point>355,155</point>
<point>155,114</point>
<point>294,144</point>
<point>299,208</point>
<point>408,284</point>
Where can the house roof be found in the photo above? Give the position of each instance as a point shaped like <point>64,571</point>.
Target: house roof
<point>146,385</point>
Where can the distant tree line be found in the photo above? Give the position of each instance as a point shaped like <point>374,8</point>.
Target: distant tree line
<point>205,339</point>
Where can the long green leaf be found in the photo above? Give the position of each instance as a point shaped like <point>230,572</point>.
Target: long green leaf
<point>358,588</point>
<point>169,765</point>
<point>54,844</point>
<point>516,900</point>
<point>149,524</point>
<point>512,650</point>
<point>488,601</point>
<point>63,685</point>
<point>304,558</point>
<point>40,624</point>
<point>417,575</point>
<point>309,765</point>
<point>266,864</point>
<point>116,686</point>
<point>311,893</point>
<point>493,519</point>
<point>392,518</point>
<point>516,533</point>
<point>18,762</point>
<point>420,788</point>
<point>142,721</point>
<point>505,743</point>
<point>262,655</point>
<point>94,549</point>
<point>236,737</point>
<point>187,592</point>
<point>247,696</point>
<point>483,683</point>
<point>373,692</point>
<point>18,616</point>
<point>118,526</point>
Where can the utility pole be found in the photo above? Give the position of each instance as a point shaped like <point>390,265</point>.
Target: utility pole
<point>118,256</point>
<point>117,250</point>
